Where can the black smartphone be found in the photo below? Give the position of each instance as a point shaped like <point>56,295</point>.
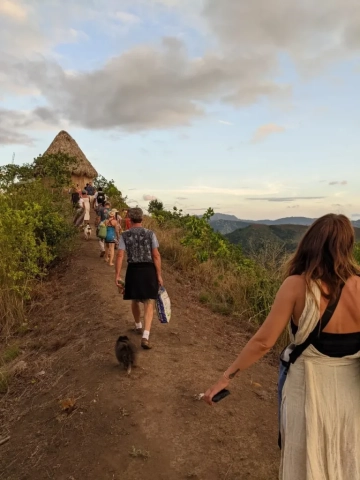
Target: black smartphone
<point>220,395</point>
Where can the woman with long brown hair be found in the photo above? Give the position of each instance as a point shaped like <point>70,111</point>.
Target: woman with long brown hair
<point>320,407</point>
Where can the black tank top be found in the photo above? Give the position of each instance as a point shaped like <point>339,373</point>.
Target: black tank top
<point>335,344</point>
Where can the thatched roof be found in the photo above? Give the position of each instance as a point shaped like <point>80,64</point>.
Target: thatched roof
<point>63,142</point>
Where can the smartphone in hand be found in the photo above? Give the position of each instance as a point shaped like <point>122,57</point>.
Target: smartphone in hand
<point>220,395</point>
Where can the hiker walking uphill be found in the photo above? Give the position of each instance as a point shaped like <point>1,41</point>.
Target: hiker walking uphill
<point>99,199</point>
<point>102,216</point>
<point>143,274</point>
<point>90,189</point>
<point>320,398</point>
<point>112,235</point>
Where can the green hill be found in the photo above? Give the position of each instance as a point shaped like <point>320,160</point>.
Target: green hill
<point>255,236</point>
<point>227,226</point>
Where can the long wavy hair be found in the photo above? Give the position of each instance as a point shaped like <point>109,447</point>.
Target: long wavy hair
<point>326,254</point>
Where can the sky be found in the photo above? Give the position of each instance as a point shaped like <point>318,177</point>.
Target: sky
<point>249,107</point>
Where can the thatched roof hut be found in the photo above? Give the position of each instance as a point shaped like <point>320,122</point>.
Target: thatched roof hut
<point>84,172</point>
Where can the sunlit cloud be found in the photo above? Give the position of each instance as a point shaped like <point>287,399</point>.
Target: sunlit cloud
<point>265,131</point>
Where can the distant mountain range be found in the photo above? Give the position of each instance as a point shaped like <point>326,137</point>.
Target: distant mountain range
<point>226,224</point>
<point>255,236</point>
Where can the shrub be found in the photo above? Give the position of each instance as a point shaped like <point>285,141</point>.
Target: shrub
<point>35,231</point>
<point>229,281</point>
<point>357,253</point>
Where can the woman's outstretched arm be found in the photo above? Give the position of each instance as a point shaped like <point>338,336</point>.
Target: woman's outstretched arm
<point>266,336</point>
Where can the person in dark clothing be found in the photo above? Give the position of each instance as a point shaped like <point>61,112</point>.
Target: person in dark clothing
<point>75,197</point>
<point>143,274</point>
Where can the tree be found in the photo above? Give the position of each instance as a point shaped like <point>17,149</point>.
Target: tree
<point>111,190</point>
<point>55,166</point>
<point>155,206</point>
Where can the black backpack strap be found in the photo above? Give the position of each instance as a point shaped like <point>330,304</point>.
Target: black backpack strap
<point>324,320</point>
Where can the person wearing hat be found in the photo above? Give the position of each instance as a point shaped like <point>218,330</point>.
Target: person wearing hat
<point>112,235</point>
<point>143,274</point>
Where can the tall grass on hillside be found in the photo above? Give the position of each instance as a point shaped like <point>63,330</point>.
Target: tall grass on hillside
<point>35,231</point>
<point>357,253</point>
<point>227,280</point>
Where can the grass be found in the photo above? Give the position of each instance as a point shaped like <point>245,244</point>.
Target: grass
<point>10,353</point>
<point>4,381</point>
<point>222,287</point>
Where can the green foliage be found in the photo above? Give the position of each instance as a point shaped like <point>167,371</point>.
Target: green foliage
<point>155,206</point>
<point>34,232</point>
<point>357,253</point>
<point>200,238</point>
<point>56,167</point>
<point>233,282</point>
<point>110,189</point>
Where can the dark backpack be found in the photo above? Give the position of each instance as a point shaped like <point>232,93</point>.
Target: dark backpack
<point>101,198</point>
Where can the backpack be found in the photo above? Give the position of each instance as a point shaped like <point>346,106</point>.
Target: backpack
<point>102,230</point>
<point>101,197</point>
<point>292,352</point>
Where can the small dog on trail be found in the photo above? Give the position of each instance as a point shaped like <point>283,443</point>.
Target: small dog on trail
<point>125,352</point>
<point>87,231</point>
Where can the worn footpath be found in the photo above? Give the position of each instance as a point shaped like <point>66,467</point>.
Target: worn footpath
<point>72,413</point>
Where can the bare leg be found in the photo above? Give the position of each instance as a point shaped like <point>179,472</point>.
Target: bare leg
<point>106,252</point>
<point>135,308</point>
<point>148,314</point>
<point>111,253</point>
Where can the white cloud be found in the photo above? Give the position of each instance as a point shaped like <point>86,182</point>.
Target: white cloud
<point>12,9</point>
<point>265,130</point>
<point>149,198</point>
<point>127,18</point>
<point>224,122</point>
<point>209,190</point>
<point>151,86</point>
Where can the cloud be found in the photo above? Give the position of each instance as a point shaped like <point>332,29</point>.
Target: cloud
<point>181,198</point>
<point>13,10</point>
<point>127,18</point>
<point>145,87</point>
<point>355,214</point>
<point>293,206</point>
<point>344,182</point>
<point>161,85</point>
<point>311,35</point>
<point>265,130</point>
<point>206,190</point>
<point>149,198</point>
<point>282,199</point>
<point>12,124</point>
<point>223,122</point>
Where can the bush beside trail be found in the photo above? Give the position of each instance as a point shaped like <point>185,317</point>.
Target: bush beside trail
<point>35,231</point>
<point>227,280</point>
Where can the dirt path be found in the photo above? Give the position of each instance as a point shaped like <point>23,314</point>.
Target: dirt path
<point>118,421</point>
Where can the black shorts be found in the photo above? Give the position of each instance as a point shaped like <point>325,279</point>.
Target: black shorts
<point>141,282</point>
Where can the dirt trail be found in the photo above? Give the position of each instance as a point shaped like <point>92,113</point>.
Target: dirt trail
<point>119,420</point>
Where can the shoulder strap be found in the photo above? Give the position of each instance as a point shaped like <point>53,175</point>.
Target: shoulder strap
<point>324,320</point>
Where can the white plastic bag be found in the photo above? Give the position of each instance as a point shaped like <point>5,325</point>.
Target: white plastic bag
<point>163,306</point>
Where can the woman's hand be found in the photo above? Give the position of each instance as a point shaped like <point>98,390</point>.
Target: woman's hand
<point>119,282</point>
<point>160,281</point>
<point>212,391</point>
